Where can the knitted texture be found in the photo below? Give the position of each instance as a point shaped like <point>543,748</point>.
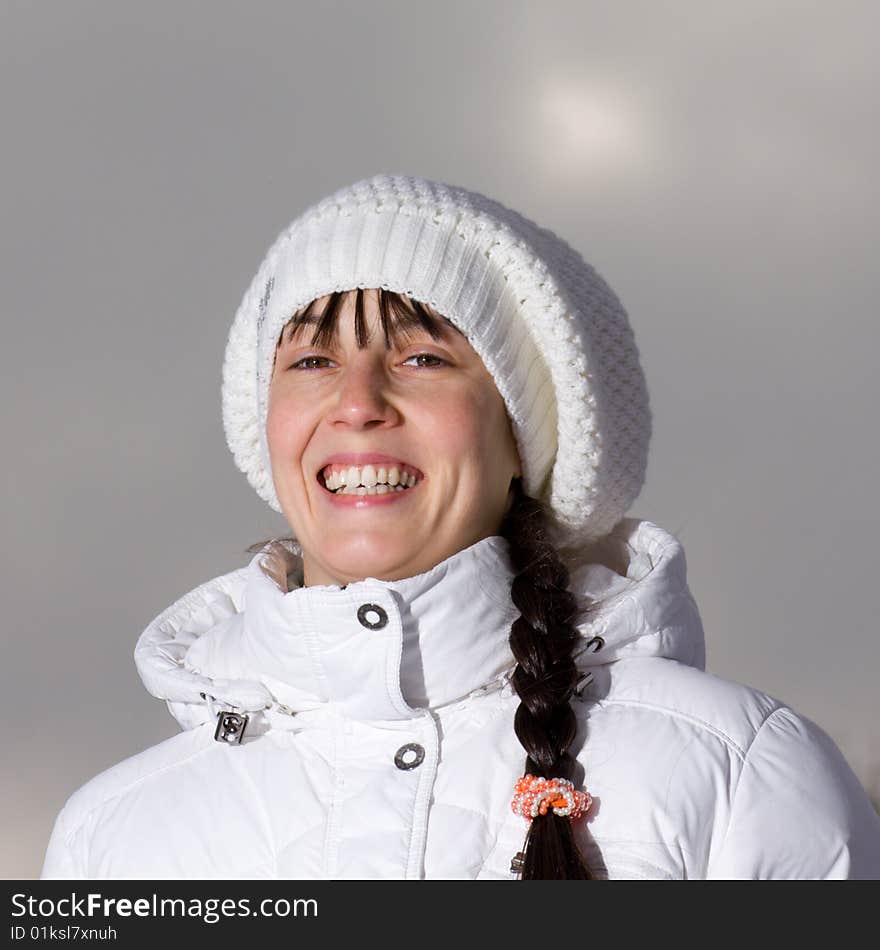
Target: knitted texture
<point>549,330</point>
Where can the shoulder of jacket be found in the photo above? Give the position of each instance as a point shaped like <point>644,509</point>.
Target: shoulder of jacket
<point>795,778</point>
<point>129,776</point>
<point>732,712</point>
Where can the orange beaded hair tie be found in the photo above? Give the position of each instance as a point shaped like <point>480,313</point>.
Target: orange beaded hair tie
<point>534,796</point>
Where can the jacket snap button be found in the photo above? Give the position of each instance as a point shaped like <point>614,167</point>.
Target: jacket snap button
<point>230,727</point>
<point>409,756</point>
<point>372,616</point>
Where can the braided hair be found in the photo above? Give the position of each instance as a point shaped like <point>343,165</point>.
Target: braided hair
<point>542,639</point>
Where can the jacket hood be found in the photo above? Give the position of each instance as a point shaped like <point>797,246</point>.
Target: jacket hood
<point>256,640</point>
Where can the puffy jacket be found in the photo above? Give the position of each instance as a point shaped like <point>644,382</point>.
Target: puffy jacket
<point>379,741</point>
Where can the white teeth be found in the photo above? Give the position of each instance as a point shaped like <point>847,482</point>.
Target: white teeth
<point>369,480</point>
<point>378,490</point>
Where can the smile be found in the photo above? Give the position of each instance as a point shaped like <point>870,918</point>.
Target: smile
<point>372,478</point>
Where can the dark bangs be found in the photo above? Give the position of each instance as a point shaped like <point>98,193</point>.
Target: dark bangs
<point>400,317</point>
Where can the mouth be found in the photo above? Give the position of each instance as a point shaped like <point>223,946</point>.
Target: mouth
<point>377,475</point>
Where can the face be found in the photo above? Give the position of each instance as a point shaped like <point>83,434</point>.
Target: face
<point>427,409</point>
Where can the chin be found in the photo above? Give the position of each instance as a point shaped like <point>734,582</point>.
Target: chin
<point>353,560</point>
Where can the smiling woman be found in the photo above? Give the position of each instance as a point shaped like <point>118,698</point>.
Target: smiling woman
<point>412,407</point>
<point>465,660</point>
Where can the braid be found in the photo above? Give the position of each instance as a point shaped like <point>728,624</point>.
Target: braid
<point>541,639</point>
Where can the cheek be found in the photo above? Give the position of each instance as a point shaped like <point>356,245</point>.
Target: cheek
<point>283,426</point>
<point>474,425</point>
<point>497,444</point>
<point>453,421</point>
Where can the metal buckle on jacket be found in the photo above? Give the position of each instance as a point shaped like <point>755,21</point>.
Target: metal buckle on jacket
<point>582,684</point>
<point>230,727</point>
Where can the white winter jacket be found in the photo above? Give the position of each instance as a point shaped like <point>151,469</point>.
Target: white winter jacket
<point>380,739</point>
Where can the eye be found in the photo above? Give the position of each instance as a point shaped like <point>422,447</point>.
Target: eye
<point>312,362</point>
<point>307,359</point>
<point>438,361</point>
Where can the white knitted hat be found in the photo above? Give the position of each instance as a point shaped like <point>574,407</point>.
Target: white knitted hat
<point>548,328</point>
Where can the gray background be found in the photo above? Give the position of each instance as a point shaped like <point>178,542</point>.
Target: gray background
<point>715,161</point>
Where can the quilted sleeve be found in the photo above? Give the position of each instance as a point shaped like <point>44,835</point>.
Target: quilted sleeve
<point>62,861</point>
<point>799,812</point>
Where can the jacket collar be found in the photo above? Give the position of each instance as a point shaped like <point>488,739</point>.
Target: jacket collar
<point>255,638</point>
<point>374,649</point>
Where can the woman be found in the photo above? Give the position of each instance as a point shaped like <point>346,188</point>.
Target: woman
<point>466,662</point>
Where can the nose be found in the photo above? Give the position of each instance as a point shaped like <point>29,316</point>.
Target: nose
<point>362,396</point>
